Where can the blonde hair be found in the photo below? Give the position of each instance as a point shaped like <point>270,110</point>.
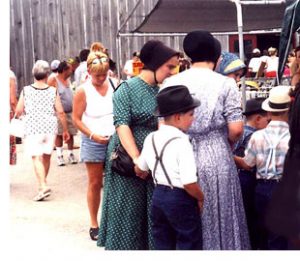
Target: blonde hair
<point>98,62</point>
<point>272,51</point>
<point>97,47</point>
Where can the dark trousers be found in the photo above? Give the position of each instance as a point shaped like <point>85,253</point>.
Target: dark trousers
<point>248,183</point>
<point>176,221</point>
<point>266,239</point>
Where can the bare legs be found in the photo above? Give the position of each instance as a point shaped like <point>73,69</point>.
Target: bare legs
<point>59,142</point>
<point>95,177</point>
<point>41,166</point>
<point>59,150</point>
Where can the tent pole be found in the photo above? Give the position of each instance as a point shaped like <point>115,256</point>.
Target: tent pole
<point>241,46</point>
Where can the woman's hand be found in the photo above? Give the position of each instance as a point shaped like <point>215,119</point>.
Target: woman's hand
<point>66,136</point>
<point>100,139</point>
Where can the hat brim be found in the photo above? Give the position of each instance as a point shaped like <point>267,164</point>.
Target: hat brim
<point>247,113</point>
<point>195,104</point>
<point>265,106</point>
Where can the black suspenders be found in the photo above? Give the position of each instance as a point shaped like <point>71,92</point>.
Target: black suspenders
<point>158,159</point>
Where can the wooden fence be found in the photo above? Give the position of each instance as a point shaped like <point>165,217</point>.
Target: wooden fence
<point>58,29</point>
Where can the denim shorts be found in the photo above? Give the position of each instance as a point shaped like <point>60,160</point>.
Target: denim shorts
<point>91,151</point>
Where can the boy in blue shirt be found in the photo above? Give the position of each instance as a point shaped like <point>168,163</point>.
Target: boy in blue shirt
<point>256,119</point>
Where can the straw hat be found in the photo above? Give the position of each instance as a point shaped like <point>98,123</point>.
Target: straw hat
<point>279,99</point>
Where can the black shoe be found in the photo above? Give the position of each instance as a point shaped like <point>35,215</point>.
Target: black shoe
<point>94,233</point>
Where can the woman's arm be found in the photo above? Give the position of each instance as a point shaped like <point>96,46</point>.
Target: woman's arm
<point>51,81</point>
<point>235,130</point>
<point>79,106</point>
<point>128,141</point>
<point>12,92</point>
<point>295,79</point>
<point>62,117</point>
<point>20,106</point>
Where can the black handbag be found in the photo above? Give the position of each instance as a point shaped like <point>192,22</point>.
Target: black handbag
<point>121,162</point>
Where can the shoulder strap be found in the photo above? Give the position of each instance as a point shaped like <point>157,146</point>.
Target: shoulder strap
<point>158,159</point>
<point>272,153</point>
<point>125,82</point>
<point>112,83</point>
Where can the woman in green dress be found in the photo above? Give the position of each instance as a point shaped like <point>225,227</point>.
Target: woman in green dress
<point>125,221</point>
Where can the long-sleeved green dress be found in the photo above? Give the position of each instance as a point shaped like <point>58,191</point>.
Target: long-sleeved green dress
<point>125,219</point>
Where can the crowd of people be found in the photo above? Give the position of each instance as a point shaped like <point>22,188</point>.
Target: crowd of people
<point>203,179</point>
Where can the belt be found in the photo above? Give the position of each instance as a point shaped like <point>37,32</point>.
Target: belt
<point>268,180</point>
<point>168,187</point>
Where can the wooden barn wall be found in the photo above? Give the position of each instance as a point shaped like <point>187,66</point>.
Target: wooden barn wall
<point>58,29</point>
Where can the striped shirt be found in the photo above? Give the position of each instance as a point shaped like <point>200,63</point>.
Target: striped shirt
<point>267,149</point>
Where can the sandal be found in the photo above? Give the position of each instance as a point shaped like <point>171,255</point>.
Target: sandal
<point>94,233</point>
<point>42,195</point>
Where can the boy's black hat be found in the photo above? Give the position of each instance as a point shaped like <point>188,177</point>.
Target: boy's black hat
<point>253,106</point>
<point>175,99</point>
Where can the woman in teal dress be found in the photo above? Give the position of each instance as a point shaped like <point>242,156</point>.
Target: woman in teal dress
<point>125,221</point>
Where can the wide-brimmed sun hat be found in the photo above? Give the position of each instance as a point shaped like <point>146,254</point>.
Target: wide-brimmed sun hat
<point>279,99</point>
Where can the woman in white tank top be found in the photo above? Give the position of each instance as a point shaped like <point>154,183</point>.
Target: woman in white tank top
<point>93,116</point>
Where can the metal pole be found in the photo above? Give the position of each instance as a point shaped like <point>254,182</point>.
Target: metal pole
<point>118,45</point>
<point>241,46</point>
<point>129,16</point>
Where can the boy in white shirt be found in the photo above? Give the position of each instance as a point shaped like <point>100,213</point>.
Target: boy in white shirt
<point>177,199</point>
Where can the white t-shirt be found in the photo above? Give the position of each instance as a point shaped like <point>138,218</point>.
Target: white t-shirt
<point>272,64</point>
<point>254,64</point>
<point>80,73</point>
<point>178,157</point>
<point>128,67</point>
<point>98,115</point>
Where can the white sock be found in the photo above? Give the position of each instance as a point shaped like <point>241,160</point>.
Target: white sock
<point>59,151</point>
<point>70,152</point>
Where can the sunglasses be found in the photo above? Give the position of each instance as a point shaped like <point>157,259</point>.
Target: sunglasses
<point>100,60</point>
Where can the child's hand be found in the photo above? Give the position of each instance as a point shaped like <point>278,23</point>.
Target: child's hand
<point>200,205</point>
<point>140,173</point>
<point>201,202</point>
